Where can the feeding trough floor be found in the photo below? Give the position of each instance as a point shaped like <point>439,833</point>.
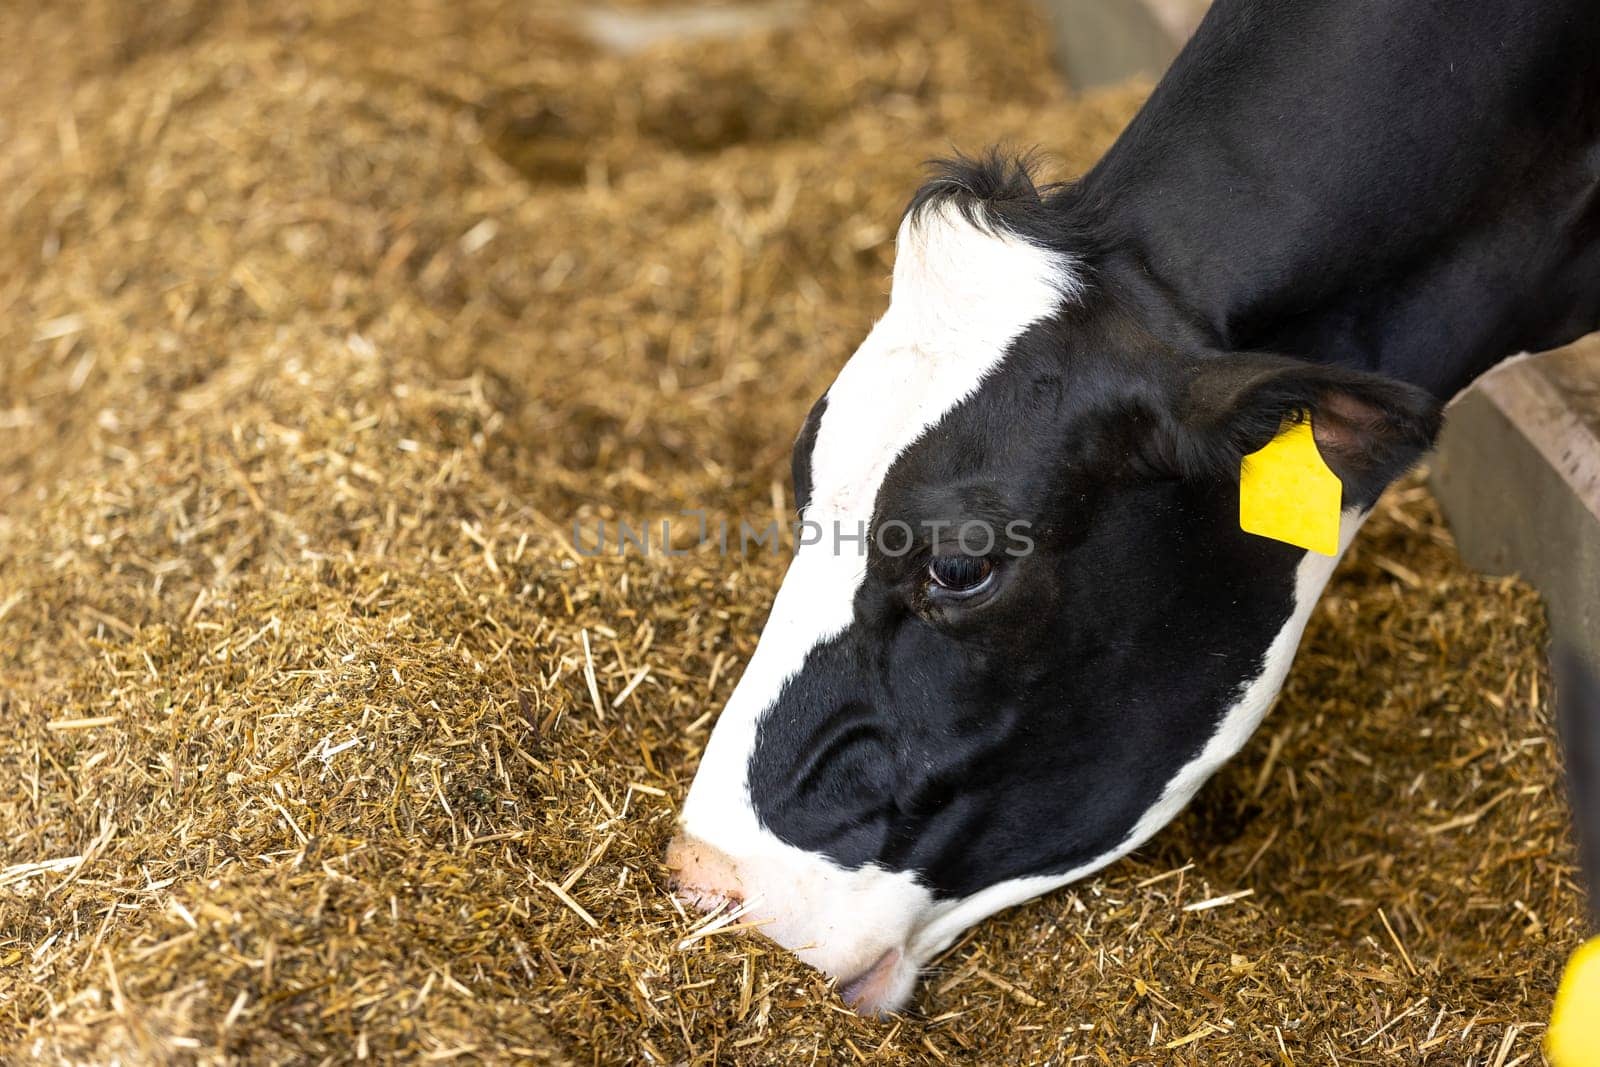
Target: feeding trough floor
<point>319,741</point>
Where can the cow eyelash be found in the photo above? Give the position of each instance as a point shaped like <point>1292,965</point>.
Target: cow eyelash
<point>959,577</point>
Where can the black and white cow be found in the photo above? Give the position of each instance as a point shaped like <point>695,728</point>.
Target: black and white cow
<point>1339,210</point>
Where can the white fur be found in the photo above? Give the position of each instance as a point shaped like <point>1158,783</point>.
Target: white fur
<point>960,296</point>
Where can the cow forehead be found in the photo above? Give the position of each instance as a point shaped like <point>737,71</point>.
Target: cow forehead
<point>963,291</point>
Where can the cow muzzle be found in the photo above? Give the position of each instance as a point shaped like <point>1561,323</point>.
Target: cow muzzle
<point>853,925</point>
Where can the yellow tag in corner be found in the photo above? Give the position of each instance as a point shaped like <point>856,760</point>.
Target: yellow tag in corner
<point>1287,492</point>
<point>1573,1039</point>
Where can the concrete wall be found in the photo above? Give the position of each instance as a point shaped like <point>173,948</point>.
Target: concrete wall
<point>1101,42</point>
<point>1518,475</point>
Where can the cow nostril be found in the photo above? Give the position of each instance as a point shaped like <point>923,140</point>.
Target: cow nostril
<point>702,875</point>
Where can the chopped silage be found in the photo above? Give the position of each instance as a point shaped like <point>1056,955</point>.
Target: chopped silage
<point>320,329</point>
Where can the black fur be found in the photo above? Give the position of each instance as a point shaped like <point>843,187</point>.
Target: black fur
<point>1369,428</point>
<point>1334,210</point>
<point>997,190</point>
<point>800,456</point>
<point>940,738</point>
<point>996,187</point>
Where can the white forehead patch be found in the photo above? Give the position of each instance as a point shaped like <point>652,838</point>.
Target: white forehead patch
<point>961,295</point>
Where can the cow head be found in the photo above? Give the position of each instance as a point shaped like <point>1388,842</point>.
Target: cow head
<point>1053,630</point>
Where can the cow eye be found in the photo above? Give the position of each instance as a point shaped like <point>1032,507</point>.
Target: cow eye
<point>960,575</point>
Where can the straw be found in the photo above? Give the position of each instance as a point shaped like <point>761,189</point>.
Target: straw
<point>320,738</point>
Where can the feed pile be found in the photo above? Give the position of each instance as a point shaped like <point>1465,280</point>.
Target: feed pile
<point>319,328</point>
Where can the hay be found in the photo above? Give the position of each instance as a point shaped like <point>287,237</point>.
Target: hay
<point>317,329</point>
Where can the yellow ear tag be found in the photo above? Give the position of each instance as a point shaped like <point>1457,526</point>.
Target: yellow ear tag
<point>1287,492</point>
<point>1573,1039</point>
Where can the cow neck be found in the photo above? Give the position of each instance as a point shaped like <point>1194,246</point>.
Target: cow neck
<point>1405,192</point>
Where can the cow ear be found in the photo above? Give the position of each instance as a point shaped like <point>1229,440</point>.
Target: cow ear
<point>1369,428</point>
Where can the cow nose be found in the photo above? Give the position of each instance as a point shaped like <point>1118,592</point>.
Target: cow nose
<point>702,875</point>
<point>852,925</point>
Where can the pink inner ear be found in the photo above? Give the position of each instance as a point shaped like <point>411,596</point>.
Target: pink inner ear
<point>1342,424</point>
